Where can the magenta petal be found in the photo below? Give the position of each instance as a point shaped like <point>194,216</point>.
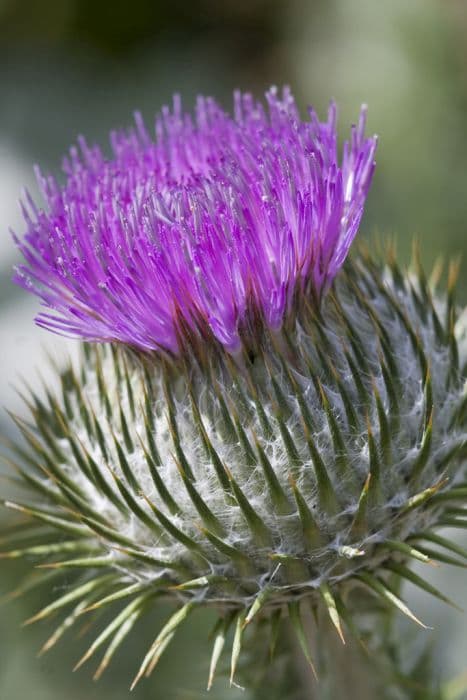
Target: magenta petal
<point>209,215</point>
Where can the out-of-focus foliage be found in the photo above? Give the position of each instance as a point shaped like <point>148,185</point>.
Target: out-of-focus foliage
<point>119,27</point>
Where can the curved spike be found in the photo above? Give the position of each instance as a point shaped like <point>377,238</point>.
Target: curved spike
<point>102,562</point>
<point>112,627</point>
<point>442,542</point>
<point>63,627</point>
<point>125,467</point>
<point>327,494</point>
<point>118,639</point>
<point>331,606</point>
<point>218,646</point>
<point>424,451</point>
<point>407,550</point>
<point>278,495</point>
<point>237,645</point>
<point>418,581</point>
<point>76,593</point>
<point>208,446</point>
<point>383,591</point>
<point>258,528</point>
<point>118,595</point>
<point>55,521</point>
<point>297,624</point>
<point>226,549</point>
<point>430,493</point>
<point>351,626</point>
<point>161,488</point>
<point>210,520</point>
<point>174,531</point>
<point>276,618</point>
<point>442,558</point>
<point>164,635</point>
<point>135,507</point>
<point>52,548</point>
<point>311,530</point>
<point>359,522</point>
<point>342,462</point>
<point>258,603</point>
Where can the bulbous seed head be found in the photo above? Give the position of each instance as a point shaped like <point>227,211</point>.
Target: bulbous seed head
<point>265,428</point>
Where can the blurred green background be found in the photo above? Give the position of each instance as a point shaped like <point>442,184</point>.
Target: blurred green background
<point>83,66</point>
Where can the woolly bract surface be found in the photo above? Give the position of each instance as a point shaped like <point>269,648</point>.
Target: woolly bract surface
<point>320,458</point>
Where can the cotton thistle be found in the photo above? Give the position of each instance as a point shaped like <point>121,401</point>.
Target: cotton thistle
<point>262,427</point>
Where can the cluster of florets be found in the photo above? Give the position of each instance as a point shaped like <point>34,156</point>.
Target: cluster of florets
<point>211,218</point>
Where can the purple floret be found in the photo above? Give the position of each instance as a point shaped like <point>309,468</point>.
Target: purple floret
<point>200,222</point>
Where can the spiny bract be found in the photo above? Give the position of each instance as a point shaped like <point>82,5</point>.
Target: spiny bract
<point>319,459</point>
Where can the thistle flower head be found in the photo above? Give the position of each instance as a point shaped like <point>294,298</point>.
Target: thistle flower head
<point>308,454</point>
<point>204,221</point>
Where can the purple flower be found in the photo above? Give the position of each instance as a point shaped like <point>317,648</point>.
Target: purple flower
<point>207,220</point>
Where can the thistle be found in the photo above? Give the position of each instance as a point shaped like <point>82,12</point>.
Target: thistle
<point>259,425</point>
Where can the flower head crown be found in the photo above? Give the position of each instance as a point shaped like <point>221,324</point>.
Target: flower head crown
<point>212,218</point>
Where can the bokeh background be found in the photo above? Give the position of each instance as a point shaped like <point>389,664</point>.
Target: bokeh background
<point>83,66</point>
